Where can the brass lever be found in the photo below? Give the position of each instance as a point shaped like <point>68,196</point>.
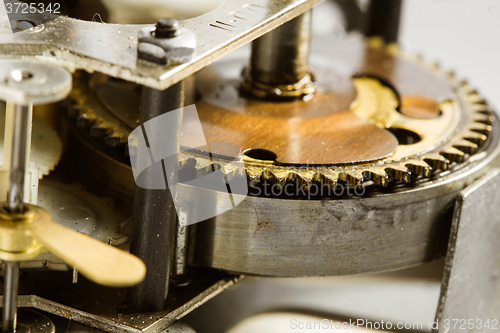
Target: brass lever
<point>24,235</point>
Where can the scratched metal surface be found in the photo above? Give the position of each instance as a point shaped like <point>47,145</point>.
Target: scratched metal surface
<point>84,44</point>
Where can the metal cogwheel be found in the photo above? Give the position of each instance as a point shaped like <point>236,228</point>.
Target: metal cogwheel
<point>425,119</point>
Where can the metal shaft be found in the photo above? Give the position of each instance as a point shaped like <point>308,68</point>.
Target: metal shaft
<point>383,19</point>
<point>18,158</point>
<point>15,199</point>
<point>154,216</point>
<point>11,280</point>
<point>281,56</point>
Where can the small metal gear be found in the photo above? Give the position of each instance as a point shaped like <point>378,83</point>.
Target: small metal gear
<point>449,131</point>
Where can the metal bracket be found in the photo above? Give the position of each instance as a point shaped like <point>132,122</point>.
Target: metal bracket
<point>106,313</point>
<point>86,44</point>
<point>470,292</point>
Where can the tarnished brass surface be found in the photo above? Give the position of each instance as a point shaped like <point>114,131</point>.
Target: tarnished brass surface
<point>304,132</point>
<point>437,119</point>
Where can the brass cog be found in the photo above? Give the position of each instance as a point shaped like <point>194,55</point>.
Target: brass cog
<point>448,120</point>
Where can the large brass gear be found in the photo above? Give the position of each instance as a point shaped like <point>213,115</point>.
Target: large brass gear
<point>450,120</point>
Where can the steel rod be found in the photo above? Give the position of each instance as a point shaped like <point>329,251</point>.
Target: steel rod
<point>18,158</point>
<point>383,19</point>
<point>15,199</point>
<point>9,311</point>
<point>154,216</point>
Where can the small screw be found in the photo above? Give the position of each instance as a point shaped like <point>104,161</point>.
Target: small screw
<point>167,28</point>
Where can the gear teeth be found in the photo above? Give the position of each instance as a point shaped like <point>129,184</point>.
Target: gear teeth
<point>486,119</point>
<point>434,66</point>
<point>465,146</point>
<point>418,167</point>
<point>437,161</point>
<point>85,119</point>
<point>204,166</point>
<point>119,136</point>
<point>73,111</point>
<point>283,176</point>
<point>100,129</point>
<point>451,75</point>
<point>327,176</point>
<point>476,98</point>
<point>352,177</point>
<point>86,113</point>
<point>307,175</point>
<point>253,174</point>
<point>276,175</point>
<point>485,111</point>
<point>112,141</point>
<point>482,106</point>
<point>399,172</point>
<point>481,129</point>
<point>186,161</point>
<point>475,137</point>
<point>257,174</point>
<point>473,92</point>
<point>268,175</point>
<point>377,175</point>
<point>97,131</point>
<point>292,177</point>
<point>453,154</point>
<point>231,171</point>
<point>415,57</point>
<point>465,86</point>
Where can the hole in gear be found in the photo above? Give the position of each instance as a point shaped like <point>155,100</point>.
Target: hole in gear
<point>260,154</point>
<point>404,136</point>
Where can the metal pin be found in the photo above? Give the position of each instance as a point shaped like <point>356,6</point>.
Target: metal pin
<point>15,199</point>
<point>75,276</point>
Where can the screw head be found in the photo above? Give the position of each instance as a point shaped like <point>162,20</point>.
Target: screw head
<point>167,28</point>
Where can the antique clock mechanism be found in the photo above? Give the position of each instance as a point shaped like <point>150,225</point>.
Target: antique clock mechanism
<point>200,152</point>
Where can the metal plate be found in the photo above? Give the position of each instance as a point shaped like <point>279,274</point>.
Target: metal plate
<point>30,321</point>
<point>105,308</point>
<point>470,293</point>
<point>84,44</point>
